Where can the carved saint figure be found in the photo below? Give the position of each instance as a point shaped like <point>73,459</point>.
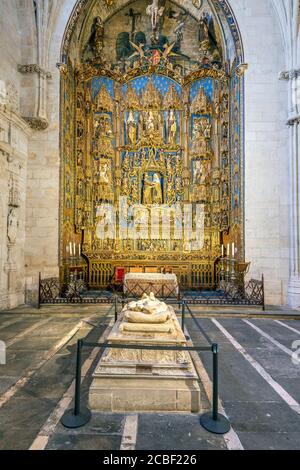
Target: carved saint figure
<point>197,173</point>
<point>152,190</point>
<point>12,226</point>
<point>172,128</point>
<point>103,174</point>
<point>155,12</point>
<point>150,123</point>
<point>148,186</point>
<point>207,37</point>
<point>157,192</point>
<point>199,144</point>
<point>207,129</point>
<point>131,128</point>
<point>95,42</point>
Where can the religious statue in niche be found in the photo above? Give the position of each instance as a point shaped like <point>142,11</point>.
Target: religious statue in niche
<point>131,129</point>
<point>172,128</point>
<point>12,226</point>
<point>199,142</point>
<point>103,134</point>
<point>95,43</point>
<point>152,126</point>
<point>103,180</point>
<point>152,189</point>
<point>201,171</point>
<point>208,44</point>
<point>14,193</point>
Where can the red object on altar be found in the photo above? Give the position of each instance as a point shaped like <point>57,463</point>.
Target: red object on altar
<point>120,274</point>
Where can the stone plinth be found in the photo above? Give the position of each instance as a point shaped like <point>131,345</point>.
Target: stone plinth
<point>128,380</point>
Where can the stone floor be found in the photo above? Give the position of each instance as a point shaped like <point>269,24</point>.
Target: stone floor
<point>259,384</point>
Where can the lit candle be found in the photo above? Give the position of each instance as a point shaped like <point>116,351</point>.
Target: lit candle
<point>222,251</point>
<point>70,249</point>
<point>74,248</point>
<point>233,251</point>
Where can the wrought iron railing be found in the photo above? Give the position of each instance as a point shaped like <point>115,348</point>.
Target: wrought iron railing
<point>233,292</point>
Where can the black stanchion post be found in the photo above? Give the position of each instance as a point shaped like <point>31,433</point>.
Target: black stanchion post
<point>178,298</point>
<point>183,316</point>
<point>39,292</point>
<point>80,416</point>
<point>116,309</point>
<point>263,293</point>
<point>215,382</point>
<point>215,422</point>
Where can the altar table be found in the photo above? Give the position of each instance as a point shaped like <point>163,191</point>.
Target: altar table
<point>162,285</point>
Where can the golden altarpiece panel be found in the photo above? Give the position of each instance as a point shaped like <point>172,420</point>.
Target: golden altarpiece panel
<point>151,119</point>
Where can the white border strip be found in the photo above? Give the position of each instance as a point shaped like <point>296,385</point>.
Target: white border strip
<point>288,327</point>
<point>270,338</point>
<point>10,322</point>
<point>289,400</point>
<point>46,357</point>
<point>25,332</point>
<point>50,425</point>
<point>231,439</point>
<point>130,433</point>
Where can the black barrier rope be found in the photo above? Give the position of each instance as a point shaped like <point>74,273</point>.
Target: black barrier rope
<point>199,326</point>
<point>79,416</point>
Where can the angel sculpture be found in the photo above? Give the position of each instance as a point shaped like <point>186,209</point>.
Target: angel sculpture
<point>168,51</point>
<point>139,51</point>
<point>155,12</point>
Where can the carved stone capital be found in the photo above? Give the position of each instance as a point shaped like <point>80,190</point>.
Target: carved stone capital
<point>294,120</point>
<point>241,69</point>
<point>6,151</point>
<point>34,68</point>
<point>63,68</point>
<point>36,123</point>
<point>289,74</point>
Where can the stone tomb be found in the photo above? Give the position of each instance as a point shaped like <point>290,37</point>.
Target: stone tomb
<point>128,380</point>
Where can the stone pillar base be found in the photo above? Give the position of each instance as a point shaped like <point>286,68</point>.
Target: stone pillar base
<point>294,293</point>
<point>137,394</point>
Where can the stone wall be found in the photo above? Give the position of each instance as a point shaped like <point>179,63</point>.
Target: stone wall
<point>14,135</point>
<point>266,147</point>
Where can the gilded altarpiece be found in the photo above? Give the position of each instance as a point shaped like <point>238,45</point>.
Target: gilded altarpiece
<point>154,130</point>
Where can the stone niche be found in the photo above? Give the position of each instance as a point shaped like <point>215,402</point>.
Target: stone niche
<point>127,380</point>
<point>14,135</point>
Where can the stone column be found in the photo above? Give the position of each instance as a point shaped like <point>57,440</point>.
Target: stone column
<point>292,77</point>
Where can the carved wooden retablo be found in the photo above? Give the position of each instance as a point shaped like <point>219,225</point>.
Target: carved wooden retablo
<point>151,114</point>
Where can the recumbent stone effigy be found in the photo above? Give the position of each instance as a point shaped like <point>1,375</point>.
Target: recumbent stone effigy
<point>146,380</point>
